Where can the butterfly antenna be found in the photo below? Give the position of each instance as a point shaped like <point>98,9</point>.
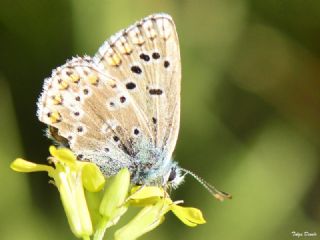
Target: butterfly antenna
<point>211,189</point>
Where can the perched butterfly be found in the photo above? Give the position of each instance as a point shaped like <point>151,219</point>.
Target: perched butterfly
<point>121,108</point>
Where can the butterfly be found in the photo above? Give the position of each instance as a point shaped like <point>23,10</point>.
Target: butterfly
<point>121,108</point>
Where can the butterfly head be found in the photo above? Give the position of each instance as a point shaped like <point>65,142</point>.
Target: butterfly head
<point>174,177</point>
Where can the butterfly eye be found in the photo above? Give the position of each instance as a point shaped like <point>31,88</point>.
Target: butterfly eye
<point>172,175</point>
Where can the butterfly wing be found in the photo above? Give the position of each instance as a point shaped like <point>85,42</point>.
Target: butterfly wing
<point>93,112</point>
<point>145,58</point>
<point>130,88</point>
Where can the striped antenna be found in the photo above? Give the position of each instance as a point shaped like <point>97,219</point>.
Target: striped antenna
<point>211,189</point>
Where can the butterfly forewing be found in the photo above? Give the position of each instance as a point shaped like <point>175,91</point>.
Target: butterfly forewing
<point>145,58</point>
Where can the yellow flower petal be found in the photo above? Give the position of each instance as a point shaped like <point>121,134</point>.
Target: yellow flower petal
<point>93,179</point>
<point>145,195</point>
<point>63,155</point>
<point>144,202</point>
<point>189,216</point>
<point>21,165</point>
<point>146,192</point>
<point>74,203</point>
<point>147,219</point>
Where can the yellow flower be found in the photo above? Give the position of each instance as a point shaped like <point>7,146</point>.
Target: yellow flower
<point>156,204</point>
<point>103,205</point>
<point>70,177</point>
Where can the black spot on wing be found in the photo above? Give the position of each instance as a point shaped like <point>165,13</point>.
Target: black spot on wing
<point>145,57</point>
<point>136,69</point>
<point>154,120</point>
<point>122,99</point>
<point>155,92</point>
<point>155,55</point>
<point>136,131</point>
<point>166,64</point>
<point>130,85</point>
<point>116,138</point>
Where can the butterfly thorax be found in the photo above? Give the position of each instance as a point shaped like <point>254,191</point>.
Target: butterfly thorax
<point>150,165</point>
<point>147,163</point>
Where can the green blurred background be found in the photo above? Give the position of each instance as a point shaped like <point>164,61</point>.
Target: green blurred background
<point>250,119</point>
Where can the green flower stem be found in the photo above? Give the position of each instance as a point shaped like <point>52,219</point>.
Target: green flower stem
<point>101,229</point>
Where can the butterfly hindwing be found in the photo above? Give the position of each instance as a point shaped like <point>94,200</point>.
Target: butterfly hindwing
<point>92,111</point>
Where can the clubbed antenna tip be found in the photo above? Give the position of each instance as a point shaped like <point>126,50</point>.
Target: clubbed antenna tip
<point>221,196</point>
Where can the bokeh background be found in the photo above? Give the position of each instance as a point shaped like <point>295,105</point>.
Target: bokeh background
<point>250,119</point>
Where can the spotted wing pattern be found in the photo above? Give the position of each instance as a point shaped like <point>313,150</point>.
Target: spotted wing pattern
<point>146,59</point>
<point>131,88</point>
